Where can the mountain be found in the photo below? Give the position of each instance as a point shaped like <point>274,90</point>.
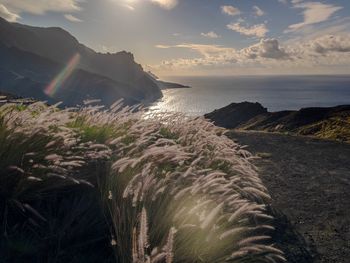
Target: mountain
<point>171,85</point>
<point>165,84</point>
<point>31,57</point>
<point>328,122</point>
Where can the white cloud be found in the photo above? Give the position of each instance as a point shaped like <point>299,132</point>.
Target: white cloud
<point>167,4</point>
<point>39,7</point>
<point>130,7</point>
<point>210,34</point>
<point>323,54</point>
<point>72,18</point>
<point>220,56</point>
<point>131,4</point>
<point>258,11</point>
<point>7,14</point>
<point>329,43</point>
<point>328,51</point>
<point>107,49</point>
<point>207,51</point>
<point>163,46</point>
<point>266,48</point>
<point>314,12</point>
<point>258,30</point>
<point>210,56</point>
<point>230,10</point>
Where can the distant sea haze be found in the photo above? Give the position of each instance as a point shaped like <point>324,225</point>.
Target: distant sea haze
<point>274,92</point>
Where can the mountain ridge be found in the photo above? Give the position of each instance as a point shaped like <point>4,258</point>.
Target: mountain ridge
<point>57,46</point>
<point>16,78</point>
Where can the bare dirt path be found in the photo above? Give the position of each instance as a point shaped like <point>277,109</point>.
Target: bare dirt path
<point>309,181</point>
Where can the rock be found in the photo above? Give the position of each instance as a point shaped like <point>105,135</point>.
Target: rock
<point>235,114</point>
<point>327,123</point>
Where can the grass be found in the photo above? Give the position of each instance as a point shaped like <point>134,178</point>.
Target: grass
<point>108,185</point>
<point>334,128</point>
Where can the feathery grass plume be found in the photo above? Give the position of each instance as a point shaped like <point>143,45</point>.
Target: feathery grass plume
<point>195,177</point>
<point>169,246</point>
<point>46,175</point>
<point>141,249</point>
<point>154,174</point>
<point>144,229</point>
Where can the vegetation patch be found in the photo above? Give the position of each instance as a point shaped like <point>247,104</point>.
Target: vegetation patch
<point>332,129</point>
<point>108,185</point>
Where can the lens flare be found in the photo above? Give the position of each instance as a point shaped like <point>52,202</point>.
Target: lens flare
<point>59,80</point>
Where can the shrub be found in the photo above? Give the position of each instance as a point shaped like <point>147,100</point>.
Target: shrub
<point>165,188</point>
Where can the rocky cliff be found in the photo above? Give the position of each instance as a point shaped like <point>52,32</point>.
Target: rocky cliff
<point>330,123</point>
<point>38,54</point>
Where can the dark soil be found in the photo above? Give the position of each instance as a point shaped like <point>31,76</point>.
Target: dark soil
<point>309,181</point>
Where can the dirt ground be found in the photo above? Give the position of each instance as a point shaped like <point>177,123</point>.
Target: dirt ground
<point>309,181</point>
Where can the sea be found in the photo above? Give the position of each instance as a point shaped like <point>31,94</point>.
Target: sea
<point>276,93</point>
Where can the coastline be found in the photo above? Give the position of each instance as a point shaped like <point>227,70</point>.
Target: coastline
<point>275,93</point>
<point>331,123</point>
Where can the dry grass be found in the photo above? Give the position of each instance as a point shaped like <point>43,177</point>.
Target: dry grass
<point>334,128</point>
<point>172,188</point>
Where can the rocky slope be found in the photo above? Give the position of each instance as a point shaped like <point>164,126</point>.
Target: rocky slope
<point>329,123</point>
<point>37,55</point>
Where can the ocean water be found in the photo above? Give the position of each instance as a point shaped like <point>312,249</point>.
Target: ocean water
<point>274,92</point>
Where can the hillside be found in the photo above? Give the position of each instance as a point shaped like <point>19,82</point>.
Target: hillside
<point>27,75</point>
<point>328,123</point>
<point>39,54</point>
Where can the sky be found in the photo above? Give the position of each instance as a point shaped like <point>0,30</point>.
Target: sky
<point>205,37</point>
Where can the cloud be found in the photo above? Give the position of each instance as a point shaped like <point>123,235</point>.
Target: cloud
<point>40,7</point>
<point>283,1</point>
<point>258,30</point>
<point>321,54</point>
<point>130,7</point>
<point>329,43</point>
<point>72,18</point>
<point>163,46</point>
<point>230,10</point>
<point>7,14</point>
<point>207,51</point>
<point>211,56</point>
<point>166,4</point>
<point>266,48</point>
<point>258,11</point>
<point>314,12</point>
<point>210,34</point>
<point>220,56</point>
<point>330,52</point>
